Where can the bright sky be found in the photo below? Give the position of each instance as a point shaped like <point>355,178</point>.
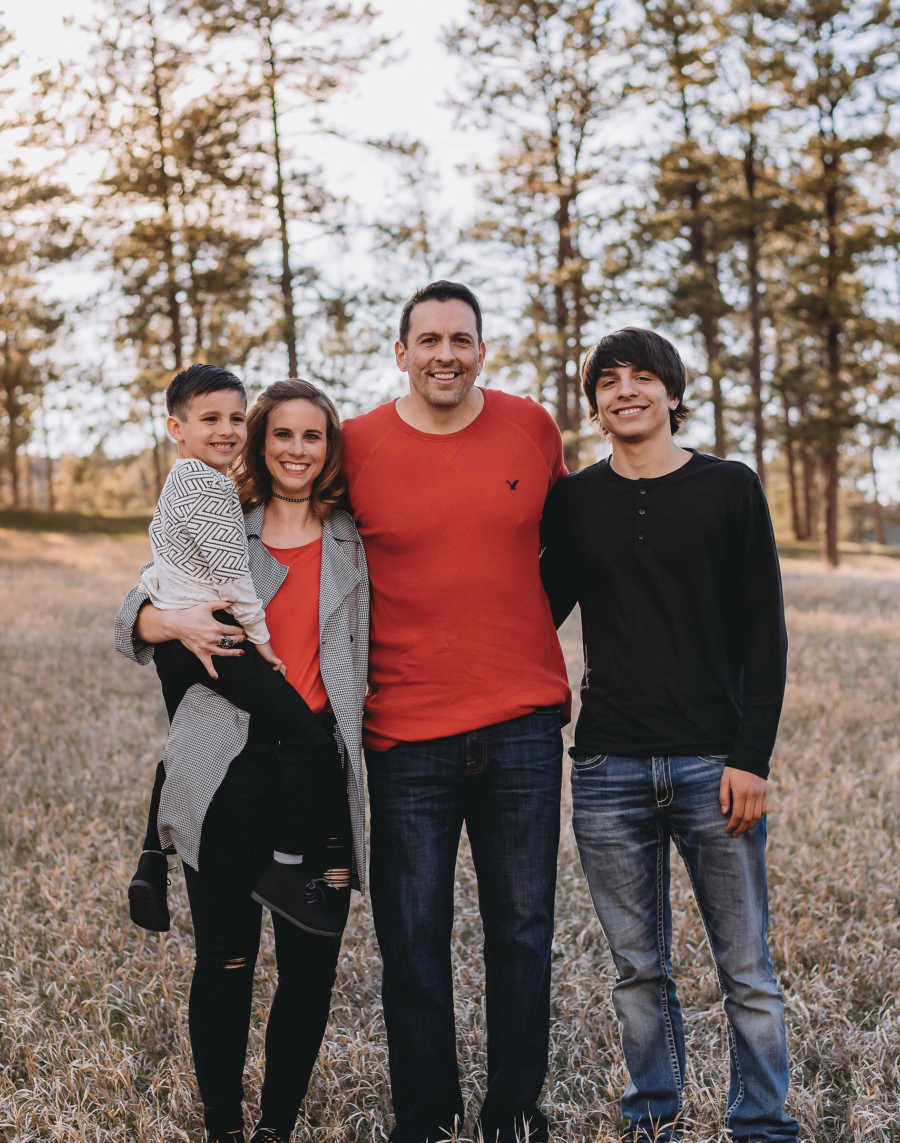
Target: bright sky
<point>406,96</point>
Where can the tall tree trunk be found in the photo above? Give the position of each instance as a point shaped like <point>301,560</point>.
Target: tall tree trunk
<point>569,318</point>
<point>561,317</point>
<point>709,322</point>
<point>791,450</point>
<point>810,498</point>
<point>29,480</point>
<point>573,461</point>
<point>880,534</point>
<point>45,433</point>
<point>287,280</point>
<point>165,195</point>
<point>537,328</point>
<point>808,501</point>
<point>753,285</point>
<point>831,472</point>
<point>709,327</point>
<point>790,454</point>
<point>195,303</point>
<point>155,451</point>
<point>832,332</point>
<point>11,406</point>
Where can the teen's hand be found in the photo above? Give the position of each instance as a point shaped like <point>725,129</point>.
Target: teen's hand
<point>195,627</point>
<point>743,795</point>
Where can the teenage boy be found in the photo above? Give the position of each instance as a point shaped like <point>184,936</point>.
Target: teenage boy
<point>671,557</point>
<point>462,722</point>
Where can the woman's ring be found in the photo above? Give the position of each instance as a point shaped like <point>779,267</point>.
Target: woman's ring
<point>227,642</point>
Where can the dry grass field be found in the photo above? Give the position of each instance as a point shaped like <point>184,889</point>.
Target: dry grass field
<point>93,1043</point>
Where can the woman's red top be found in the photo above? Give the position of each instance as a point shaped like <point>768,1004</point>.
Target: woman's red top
<point>293,621</point>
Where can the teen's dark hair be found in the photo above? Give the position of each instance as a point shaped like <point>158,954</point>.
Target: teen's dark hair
<point>442,291</point>
<point>197,381</point>
<point>641,349</point>
<point>252,477</point>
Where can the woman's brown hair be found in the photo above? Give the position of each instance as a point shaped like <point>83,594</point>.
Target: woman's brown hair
<point>253,479</point>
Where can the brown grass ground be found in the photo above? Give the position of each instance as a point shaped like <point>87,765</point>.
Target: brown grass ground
<point>93,1043</point>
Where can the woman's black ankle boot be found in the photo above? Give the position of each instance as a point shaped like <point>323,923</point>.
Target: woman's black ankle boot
<point>267,1135</point>
<point>224,1136</point>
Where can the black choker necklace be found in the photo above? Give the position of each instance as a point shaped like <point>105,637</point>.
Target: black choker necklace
<point>291,499</point>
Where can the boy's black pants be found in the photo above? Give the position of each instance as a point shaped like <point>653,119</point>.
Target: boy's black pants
<point>312,804</point>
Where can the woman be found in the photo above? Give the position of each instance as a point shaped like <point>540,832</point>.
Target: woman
<point>218,800</point>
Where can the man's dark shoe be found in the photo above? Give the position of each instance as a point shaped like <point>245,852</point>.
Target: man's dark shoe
<point>147,893</point>
<point>224,1136</point>
<point>528,1126</point>
<point>306,901</point>
<point>427,1133</point>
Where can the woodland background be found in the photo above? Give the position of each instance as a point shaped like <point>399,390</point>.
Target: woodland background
<point>722,170</point>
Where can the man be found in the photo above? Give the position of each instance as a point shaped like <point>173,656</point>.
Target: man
<point>671,557</point>
<point>462,722</point>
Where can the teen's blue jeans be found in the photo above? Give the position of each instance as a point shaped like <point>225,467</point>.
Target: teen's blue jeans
<point>625,813</point>
<point>504,782</point>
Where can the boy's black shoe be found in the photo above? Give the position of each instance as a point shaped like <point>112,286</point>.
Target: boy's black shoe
<point>147,892</point>
<point>306,901</point>
<point>224,1136</point>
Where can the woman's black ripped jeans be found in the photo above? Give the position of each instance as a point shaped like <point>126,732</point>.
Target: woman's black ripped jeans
<point>234,850</point>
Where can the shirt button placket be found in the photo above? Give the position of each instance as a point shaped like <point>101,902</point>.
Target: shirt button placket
<point>640,514</point>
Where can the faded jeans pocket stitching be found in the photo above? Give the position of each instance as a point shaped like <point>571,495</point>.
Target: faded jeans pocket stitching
<point>715,759</point>
<point>584,762</point>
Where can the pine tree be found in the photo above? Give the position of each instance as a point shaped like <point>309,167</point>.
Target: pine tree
<point>303,51</point>
<point>132,97</point>
<point>537,73</point>
<point>230,308</point>
<point>841,52</point>
<point>130,110</point>
<point>177,209</point>
<point>35,236</point>
<point>680,228</point>
<point>751,59</point>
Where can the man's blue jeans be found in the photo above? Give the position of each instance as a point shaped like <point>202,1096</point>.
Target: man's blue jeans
<point>625,812</point>
<point>504,782</point>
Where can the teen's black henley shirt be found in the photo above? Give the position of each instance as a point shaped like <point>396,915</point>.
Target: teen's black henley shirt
<point>681,607</point>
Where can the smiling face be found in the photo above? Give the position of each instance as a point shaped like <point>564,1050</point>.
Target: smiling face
<point>213,428</point>
<point>442,355</point>
<point>295,447</point>
<point>632,404</point>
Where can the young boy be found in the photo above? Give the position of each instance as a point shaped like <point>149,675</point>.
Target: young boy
<point>671,557</point>
<point>200,555</point>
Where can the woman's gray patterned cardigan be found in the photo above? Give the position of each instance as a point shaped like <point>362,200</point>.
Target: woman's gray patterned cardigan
<point>208,732</point>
